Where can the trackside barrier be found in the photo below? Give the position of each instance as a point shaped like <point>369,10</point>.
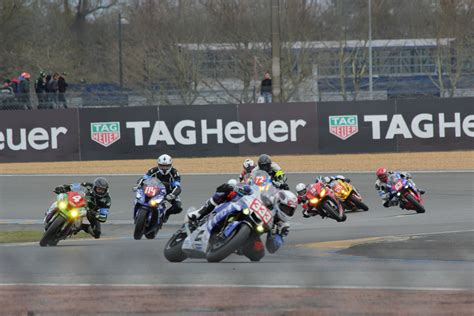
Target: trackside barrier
<point>231,130</point>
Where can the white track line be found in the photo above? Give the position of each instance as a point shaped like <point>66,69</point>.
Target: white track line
<point>260,286</point>
<point>223,173</point>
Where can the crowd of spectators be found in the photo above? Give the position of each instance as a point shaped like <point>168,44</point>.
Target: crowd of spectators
<point>50,92</point>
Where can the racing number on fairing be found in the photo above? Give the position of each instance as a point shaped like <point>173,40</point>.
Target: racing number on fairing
<point>398,185</point>
<point>261,210</point>
<point>337,187</point>
<point>150,191</point>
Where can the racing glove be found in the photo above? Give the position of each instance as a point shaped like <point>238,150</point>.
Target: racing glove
<point>170,197</point>
<point>102,215</point>
<point>60,189</point>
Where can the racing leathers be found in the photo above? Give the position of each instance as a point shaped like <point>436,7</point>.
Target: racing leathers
<point>224,193</point>
<point>97,207</point>
<point>384,191</point>
<point>172,183</point>
<point>276,173</point>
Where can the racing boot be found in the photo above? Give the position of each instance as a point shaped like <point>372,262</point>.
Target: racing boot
<point>196,215</point>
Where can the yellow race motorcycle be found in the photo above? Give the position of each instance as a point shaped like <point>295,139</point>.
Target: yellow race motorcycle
<point>348,195</point>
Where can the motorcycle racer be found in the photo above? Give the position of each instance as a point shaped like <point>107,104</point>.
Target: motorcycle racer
<point>98,204</point>
<point>248,166</point>
<point>226,192</point>
<point>283,204</point>
<point>279,179</point>
<point>329,179</point>
<point>171,179</point>
<point>384,190</point>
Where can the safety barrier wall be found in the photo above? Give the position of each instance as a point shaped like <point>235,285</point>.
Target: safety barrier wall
<point>231,130</point>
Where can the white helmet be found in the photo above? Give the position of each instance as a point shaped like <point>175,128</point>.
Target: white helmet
<point>232,183</point>
<point>327,179</point>
<point>285,204</point>
<point>300,188</point>
<point>249,164</point>
<point>165,162</point>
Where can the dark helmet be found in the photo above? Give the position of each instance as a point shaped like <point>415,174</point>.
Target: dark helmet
<point>101,187</point>
<point>265,163</point>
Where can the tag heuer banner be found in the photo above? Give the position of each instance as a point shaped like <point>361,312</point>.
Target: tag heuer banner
<point>237,130</point>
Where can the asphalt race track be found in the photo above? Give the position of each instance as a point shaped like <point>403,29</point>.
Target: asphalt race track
<point>382,249</point>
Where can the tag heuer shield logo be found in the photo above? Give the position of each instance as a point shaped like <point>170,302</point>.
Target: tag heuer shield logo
<point>105,133</point>
<point>343,126</point>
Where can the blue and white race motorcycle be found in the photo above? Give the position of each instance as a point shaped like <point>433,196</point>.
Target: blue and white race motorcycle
<point>231,227</point>
<point>150,207</point>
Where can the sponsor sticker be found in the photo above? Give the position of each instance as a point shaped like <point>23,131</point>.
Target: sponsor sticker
<point>343,126</point>
<point>105,133</point>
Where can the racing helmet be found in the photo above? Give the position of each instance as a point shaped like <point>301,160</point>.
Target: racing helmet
<point>232,183</point>
<point>300,189</point>
<point>327,179</point>
<point>165,163</point>
<point>285,204</point>
<point>248,164</point>
<point>101,187</point>
<point>382,174</point>
<point>265,163</point>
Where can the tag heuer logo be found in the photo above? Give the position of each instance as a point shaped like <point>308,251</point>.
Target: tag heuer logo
<point>105,133</point>
<point>343,126</point>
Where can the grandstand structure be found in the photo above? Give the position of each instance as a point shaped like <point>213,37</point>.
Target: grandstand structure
<point>315,71</point>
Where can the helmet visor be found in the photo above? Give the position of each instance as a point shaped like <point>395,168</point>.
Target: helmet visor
<point>288,210</point>
<point>265,166</point>
<point>100,191</point>
<point>301,192</point>
<point>164,167</point>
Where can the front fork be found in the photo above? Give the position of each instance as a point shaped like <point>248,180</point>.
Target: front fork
<point>50,213</point>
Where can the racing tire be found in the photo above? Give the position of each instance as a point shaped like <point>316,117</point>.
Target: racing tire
<point>418,207</point>
<point>140,222</point>
<point>50,236</point>
<point>219,251</point>
<point>151,235</point>
<point>173,251</point>
<point>334,213</point>
<point>360,205</point>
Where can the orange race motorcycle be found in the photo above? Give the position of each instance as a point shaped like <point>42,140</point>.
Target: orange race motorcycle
<point>321,200</point>
<point>348,195</point>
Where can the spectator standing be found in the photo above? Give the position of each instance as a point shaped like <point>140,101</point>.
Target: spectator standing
<point>52,88</point>
<point>47,85</point>
<point>266,88</point>
<point>7,96</point>
<point>24,95</point>
<point>62,86</point>
<point>40,89</point>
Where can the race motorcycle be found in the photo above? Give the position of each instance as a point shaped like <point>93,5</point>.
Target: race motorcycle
<point>69,211</point>
<point>149,210</point>
<point>349,197</point>
<point>231,227</point>
<point>322,200</point>
<point>406,193</point>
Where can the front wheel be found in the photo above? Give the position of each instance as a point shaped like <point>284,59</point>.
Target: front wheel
<point>51,237</point>
<point>357,202</point>
<point>173,251</point>
<point>418,207</point>
<point>222,248</point>
<point>333,211</point>
<point>140,223</point>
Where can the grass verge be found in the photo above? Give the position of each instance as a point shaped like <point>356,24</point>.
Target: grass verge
<point>29,235</point>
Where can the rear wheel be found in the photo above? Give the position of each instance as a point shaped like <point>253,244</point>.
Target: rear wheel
<point>51,237</point>
<point>333,211</point>
<point>357,202</point>
<point>140,223</point>
<point>173,251</point>
<point>418,207</point>
<point>222,248</point>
